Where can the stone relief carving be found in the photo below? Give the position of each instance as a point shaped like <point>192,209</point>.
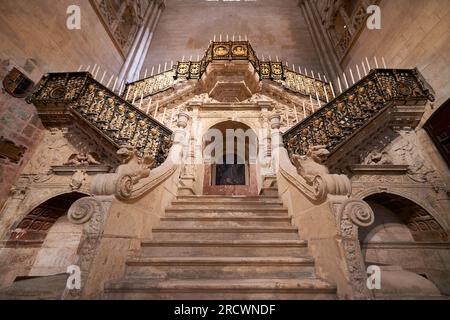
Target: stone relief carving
<point>80,159</point>
<point>93,213</point>
<point>78,179</point>
<point>67,146</point>
<point>129,173</point>
<point>350,215</point>
<point>405,150</point>
<point>378,158</point>
<point>82,210</point>
<point>316,181</point>
<point>132,170</point>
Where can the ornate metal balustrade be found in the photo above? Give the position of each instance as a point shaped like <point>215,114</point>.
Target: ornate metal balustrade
<point>149,86</point>
<point>308,86</point>
<point>223,51</point>
<point>347,114</point>
<point>59,97</point>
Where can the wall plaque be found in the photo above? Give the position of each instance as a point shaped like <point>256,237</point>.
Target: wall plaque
<point>17,84</point>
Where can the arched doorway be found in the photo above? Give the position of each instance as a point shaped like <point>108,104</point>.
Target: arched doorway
<point>406,237</point>
<point>46,236</point>
<point>33,228</point>
<point>400,219</point>
<point>230,154</point>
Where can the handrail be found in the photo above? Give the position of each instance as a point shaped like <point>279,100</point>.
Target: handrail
<point>226,51</point>
<point>58,96</point>
<point>340,119</point>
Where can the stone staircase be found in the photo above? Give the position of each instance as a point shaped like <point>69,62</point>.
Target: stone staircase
<point>218,247</point>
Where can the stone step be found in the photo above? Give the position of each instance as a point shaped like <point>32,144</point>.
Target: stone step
<point>229,222</point>
<point>229,198</point>
<point>220,267</point>
<point>212,214</point>
<point>231,248</point>
<point>247,233</point>
<point>271,191</point>
<point>237,209</point>
<point>219,202</point>
<point>226,206</point>
<point>241,289</point>
<point>36,288</point>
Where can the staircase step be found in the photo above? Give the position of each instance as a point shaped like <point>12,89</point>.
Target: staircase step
<point>43,288</point>
<point>241,289</point>
<point>250,210</point>
<point>229,214</point>
<point>257,233</point>
<point>231,248</point>
<point>220,267</point>
<point>194,222</point>
<point>229,198</point>
<point>222,247</point>
<point>232,202</point>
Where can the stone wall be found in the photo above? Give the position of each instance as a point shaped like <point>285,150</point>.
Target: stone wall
<point>414,33</point>
<point>37,31</point>
<point>18,123</point>
<point>275,28</point>
<point>34,38</point>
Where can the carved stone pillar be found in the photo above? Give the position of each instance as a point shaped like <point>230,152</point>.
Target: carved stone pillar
<point>92,213</point>
<point>188,172</point>
<point>277,141</point>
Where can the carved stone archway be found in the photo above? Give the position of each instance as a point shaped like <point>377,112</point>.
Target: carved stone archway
<point>421,223</point>
<point>431,208</point>
<point>245,185</point>
<point>33,228</point>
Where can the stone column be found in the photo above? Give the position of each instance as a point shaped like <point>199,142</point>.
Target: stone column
<point>149,38</point>
<point>138,51</point>
<point>277,141</point>
<point>264,146</point>
<point>188,177</point>
<point>321,40</point>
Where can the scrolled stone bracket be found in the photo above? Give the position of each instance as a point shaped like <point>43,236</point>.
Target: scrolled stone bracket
<point>134,178</point>
<point>350,215</point>
<point>83,209</point>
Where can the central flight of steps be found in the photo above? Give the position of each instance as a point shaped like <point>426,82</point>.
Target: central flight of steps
<point>218,247</point>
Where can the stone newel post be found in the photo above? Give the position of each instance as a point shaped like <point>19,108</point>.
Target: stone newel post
<point>325,214</point>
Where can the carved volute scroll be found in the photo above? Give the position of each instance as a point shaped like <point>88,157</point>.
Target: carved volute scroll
<point>350,215</point>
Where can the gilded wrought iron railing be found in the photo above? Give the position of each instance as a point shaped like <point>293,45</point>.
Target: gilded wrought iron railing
<point>149,86</point>
<point>60,96</point>
<point>340,119</point>
<point>308,86</point>
<point>230,50</point>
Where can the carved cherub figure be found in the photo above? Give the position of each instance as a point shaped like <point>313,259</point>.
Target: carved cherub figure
<point>311,165</point>
<point>82,158</point>
<point>376,157</point>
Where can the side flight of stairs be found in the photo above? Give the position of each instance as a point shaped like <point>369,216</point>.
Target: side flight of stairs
<point>219,247</point>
